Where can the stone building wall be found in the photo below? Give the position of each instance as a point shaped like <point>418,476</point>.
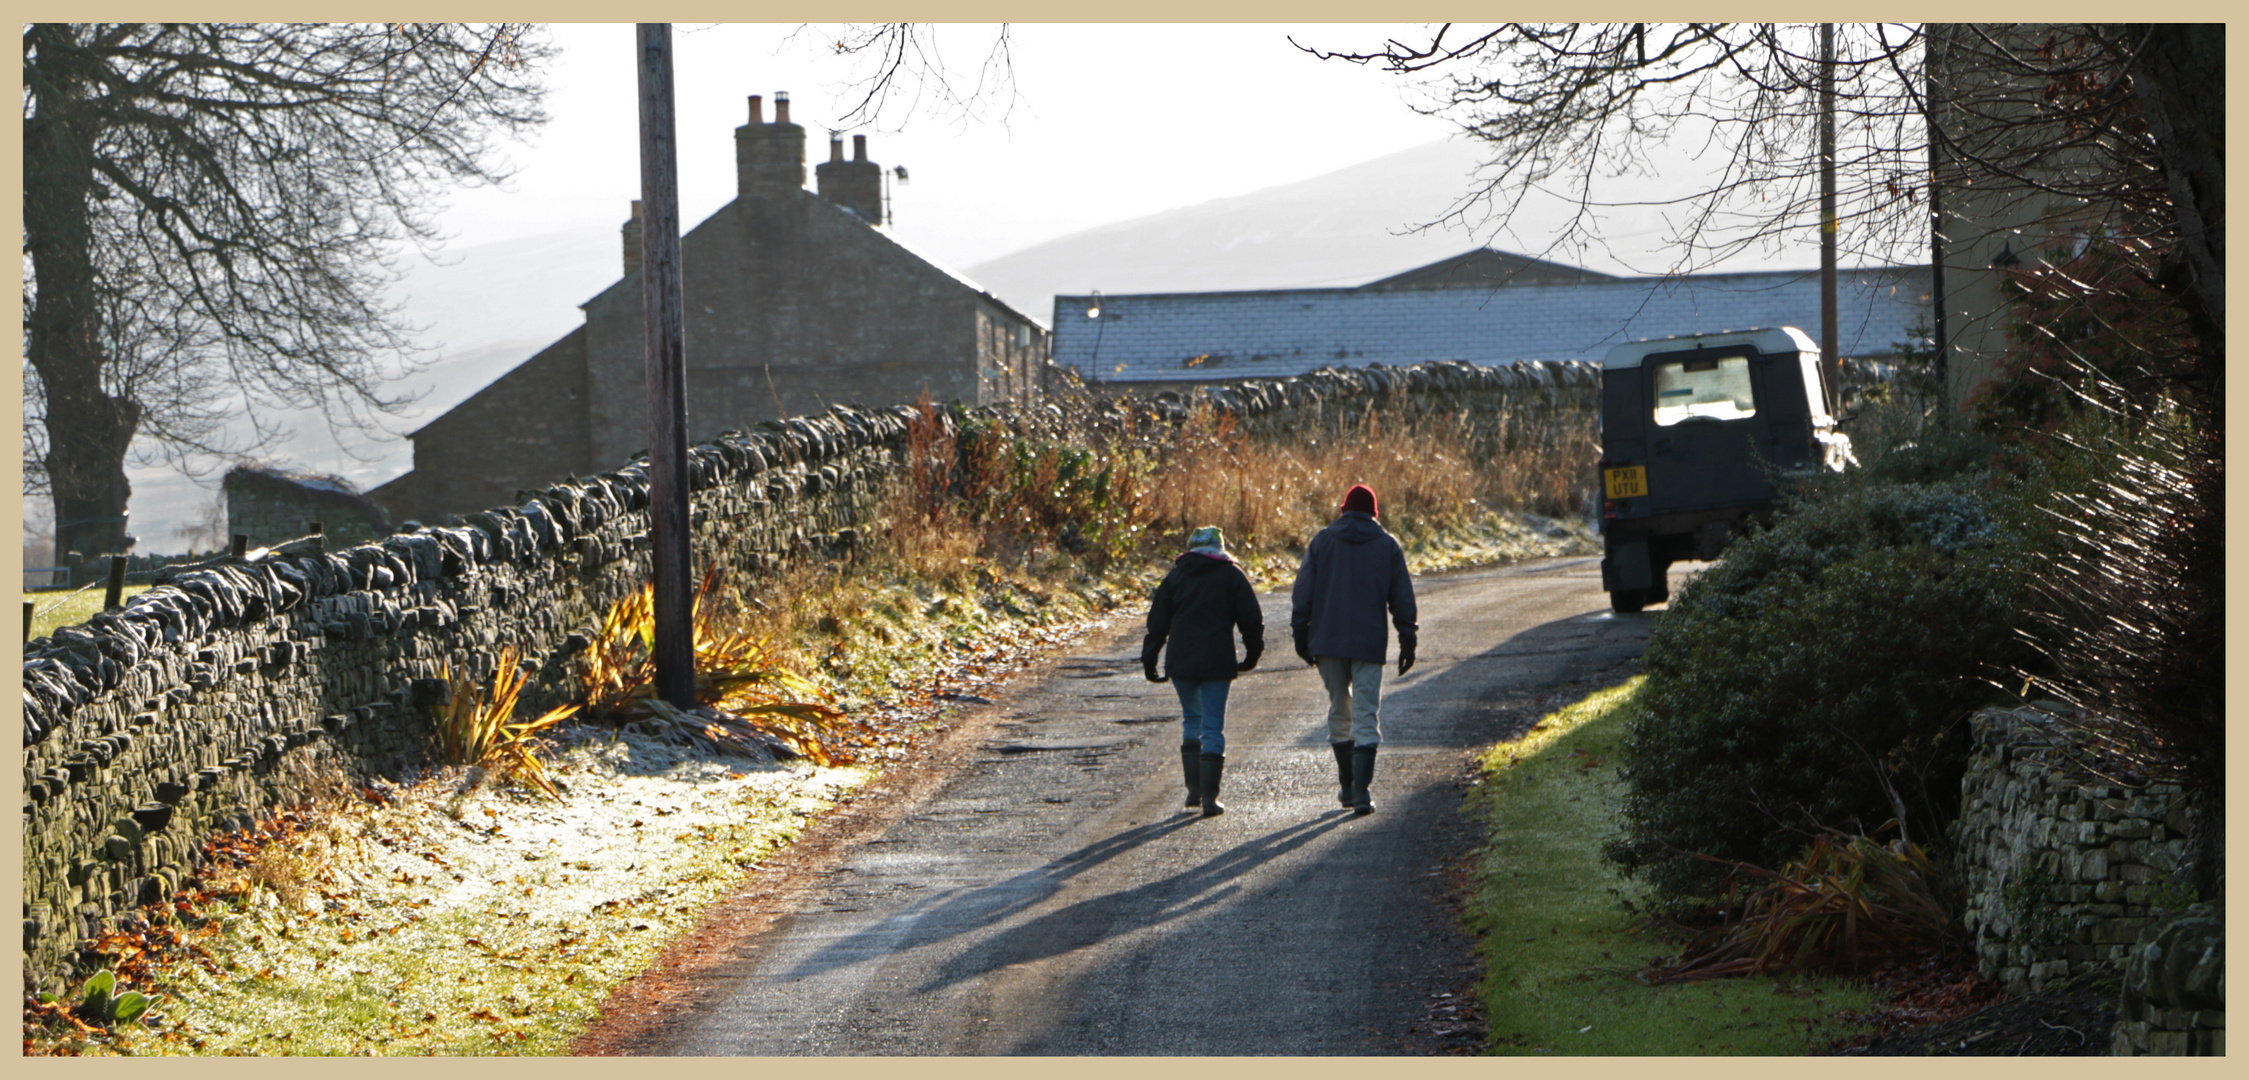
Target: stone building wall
<point>790,302</point>
<point>271,507</point>
<point>235,688</point>
<point>489,432</point>
<point>2063,868</point>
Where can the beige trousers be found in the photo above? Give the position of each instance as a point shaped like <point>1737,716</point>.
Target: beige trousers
<point>1354,699</point>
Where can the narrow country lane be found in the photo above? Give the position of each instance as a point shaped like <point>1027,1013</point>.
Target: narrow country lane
<point>1049,896</point>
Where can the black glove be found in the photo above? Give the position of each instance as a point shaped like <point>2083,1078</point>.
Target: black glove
<point>1303,635</point>
<point>1148,665</point>
<point>1405,653</point>
<point>1249,661</point>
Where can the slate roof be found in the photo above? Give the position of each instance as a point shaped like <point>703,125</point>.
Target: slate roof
<point>1484,268</point>
<point>1278,333</point>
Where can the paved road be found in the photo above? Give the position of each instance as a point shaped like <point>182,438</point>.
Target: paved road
<point>1051,897</point>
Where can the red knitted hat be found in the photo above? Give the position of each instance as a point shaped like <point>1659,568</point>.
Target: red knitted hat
<point>1360,498</point>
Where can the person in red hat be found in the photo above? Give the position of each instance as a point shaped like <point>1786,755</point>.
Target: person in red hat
<point>1354,573</point>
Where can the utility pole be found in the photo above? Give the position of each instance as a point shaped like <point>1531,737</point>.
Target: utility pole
<point>1829,353</point>
<point>674,648</point>
<point>1932,59</point>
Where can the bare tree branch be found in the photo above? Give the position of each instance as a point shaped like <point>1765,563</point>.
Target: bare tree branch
<point>903,72</point>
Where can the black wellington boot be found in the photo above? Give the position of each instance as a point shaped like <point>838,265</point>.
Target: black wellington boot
<point>1214,766</point>
<point>1362,774</point>
<point>1343,771</point>
<point>1189,751</point>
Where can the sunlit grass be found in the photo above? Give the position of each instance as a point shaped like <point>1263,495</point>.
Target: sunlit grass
<point>1559,943</point>
<point>58,608</point>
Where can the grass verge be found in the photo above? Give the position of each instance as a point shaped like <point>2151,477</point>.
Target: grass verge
<point>1558,934</point>
<point>58,607</point>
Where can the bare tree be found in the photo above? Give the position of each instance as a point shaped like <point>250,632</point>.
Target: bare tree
<point>903,71</point>
<point>207,213</point>
<point>1563,106</point>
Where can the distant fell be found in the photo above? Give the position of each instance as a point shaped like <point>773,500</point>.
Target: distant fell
<point>1346,227</point>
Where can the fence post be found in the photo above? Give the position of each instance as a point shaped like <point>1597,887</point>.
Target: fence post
<point>318,535</point>
<point>115,596</point>
<point>27,606</point>
<point>241,548</point>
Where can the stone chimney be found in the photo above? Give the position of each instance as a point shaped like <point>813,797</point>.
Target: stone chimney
<point>769,158</point>
<point>632,233</point>
<point>855,185</point>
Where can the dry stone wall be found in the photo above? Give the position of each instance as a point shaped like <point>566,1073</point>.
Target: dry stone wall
<point>2174,1001</point>
<point>236,688</point>
<point>2064,869</point>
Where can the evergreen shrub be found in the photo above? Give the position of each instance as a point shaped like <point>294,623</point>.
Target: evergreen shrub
<point>1820,676</point>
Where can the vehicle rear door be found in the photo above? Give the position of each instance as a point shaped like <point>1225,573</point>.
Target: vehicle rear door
<point>1708,440</point>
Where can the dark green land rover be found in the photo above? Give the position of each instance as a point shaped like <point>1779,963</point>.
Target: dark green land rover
<point>1695,430</point>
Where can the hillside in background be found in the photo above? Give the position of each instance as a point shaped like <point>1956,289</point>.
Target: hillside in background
<point>1342,228</point>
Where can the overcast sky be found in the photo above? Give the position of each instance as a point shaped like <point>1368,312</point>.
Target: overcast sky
<point>1104,123</point>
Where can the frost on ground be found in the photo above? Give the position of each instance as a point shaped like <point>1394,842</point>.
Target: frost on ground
<point>461,917</point>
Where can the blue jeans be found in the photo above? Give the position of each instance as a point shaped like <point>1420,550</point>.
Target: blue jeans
<point>1202,704</point>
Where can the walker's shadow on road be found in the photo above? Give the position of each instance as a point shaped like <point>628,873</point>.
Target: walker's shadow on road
<point>1115,915</point>
<point>949,914</point>
<point>1072,927</point>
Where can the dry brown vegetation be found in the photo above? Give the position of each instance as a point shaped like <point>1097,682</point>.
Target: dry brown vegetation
<point>1113,486</point>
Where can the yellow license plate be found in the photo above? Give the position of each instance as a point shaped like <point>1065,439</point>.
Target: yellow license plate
<point>1629,482</point>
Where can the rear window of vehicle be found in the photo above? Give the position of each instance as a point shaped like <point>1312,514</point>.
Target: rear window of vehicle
<point>1715,387</point>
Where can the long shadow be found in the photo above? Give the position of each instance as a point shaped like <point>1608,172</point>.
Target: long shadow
<point>1370,971</point>
<point>955,912</point>
<point>1110,915</point>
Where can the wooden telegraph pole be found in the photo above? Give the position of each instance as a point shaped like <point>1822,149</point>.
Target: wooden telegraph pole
<point>1932,61</point>
<point>1828,337</point>
<point>667,390</point>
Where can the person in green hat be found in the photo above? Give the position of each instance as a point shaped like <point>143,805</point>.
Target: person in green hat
<point>1195,610</point>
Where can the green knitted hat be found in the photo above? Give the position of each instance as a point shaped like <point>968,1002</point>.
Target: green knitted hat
<point>1209,536</point>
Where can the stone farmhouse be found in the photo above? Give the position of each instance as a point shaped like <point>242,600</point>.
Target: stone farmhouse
<point>793,301</point>
<point>1484,307</point>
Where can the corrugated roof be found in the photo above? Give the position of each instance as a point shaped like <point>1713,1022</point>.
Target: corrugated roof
<point>1279,333</point>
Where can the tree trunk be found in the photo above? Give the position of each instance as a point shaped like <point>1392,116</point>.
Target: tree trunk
<point>88,430</point>
<point>2178,75</point>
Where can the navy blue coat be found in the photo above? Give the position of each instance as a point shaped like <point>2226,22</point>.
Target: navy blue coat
<point>1197,609</point>
<point>1353,572</point>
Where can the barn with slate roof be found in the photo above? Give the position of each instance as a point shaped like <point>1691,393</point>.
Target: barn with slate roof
<point>1484,307</point>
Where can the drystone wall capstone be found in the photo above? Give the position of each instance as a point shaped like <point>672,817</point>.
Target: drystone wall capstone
<point>2067,870</point>
<point>236,688</point>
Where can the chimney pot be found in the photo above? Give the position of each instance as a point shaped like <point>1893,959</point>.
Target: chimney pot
<point>757,108</point>
<point>858,148</point>
<point>835,147</point>
<point>781,107</point>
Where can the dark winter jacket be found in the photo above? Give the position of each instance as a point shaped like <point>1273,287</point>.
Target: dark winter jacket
<point>1197,608</point>
<point>1353,571</point>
